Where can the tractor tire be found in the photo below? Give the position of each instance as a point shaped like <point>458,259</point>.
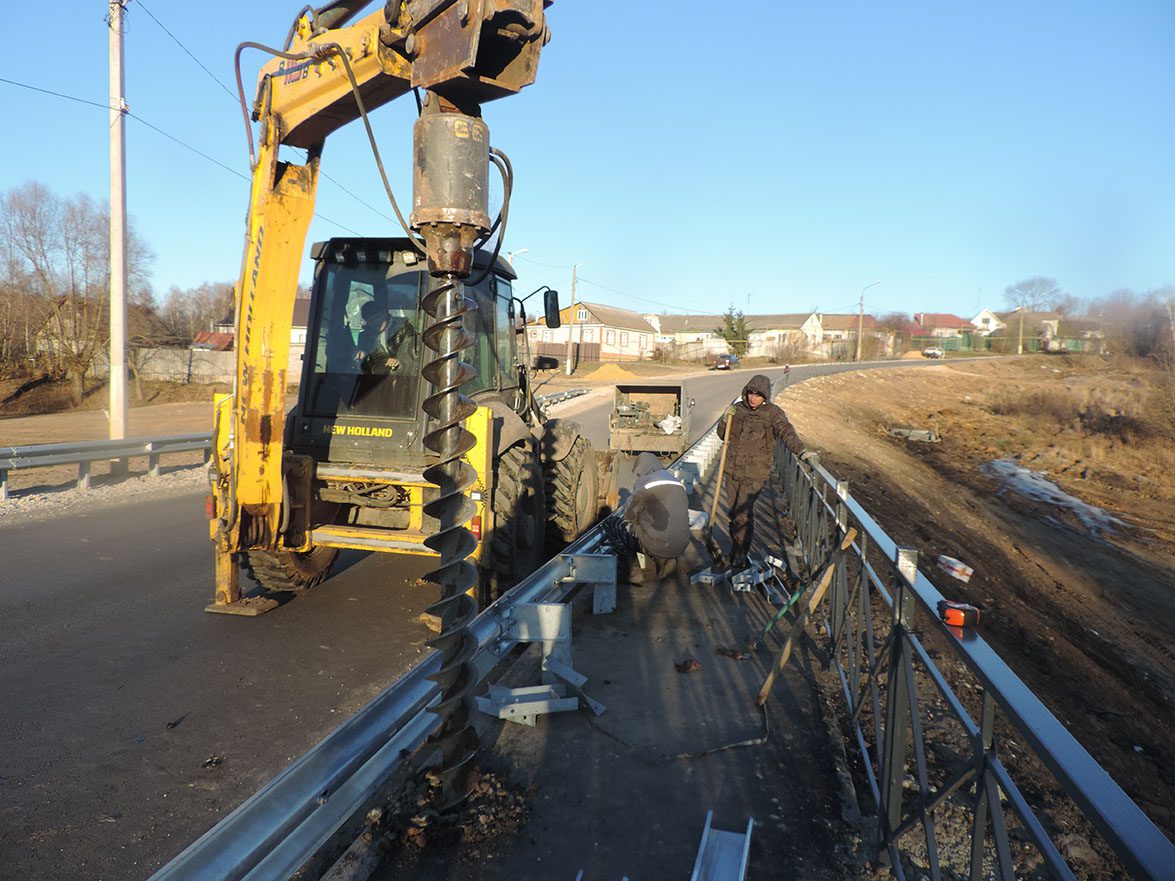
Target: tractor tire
<point>290,570</point>
<point>572,486</point>
<point>514,546</point>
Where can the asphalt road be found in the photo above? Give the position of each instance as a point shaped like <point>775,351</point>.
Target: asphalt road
<point>133,721</point>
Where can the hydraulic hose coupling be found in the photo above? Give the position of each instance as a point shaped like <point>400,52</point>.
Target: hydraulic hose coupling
<point>450,185</point>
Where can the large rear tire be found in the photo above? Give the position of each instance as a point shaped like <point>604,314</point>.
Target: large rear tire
<point>290,570</point>
<point>572,486</point>
<point>514,544</point>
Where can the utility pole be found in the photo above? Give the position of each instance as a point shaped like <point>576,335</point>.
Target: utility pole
<point>118,110</point>
<point>861,317</point>
<point>571,320</point>
<point>1020,336</point>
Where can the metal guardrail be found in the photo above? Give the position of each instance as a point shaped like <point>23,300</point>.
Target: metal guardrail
<point>284,824</point>
<point>545,401</point>
<point>898,700</point>
<point>84,453</point>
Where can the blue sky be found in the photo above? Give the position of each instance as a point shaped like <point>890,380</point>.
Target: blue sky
<point>775,155</point>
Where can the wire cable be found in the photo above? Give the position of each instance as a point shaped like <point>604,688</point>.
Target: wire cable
<point>57,94</point>
<point>323,51</point>
<point>163,27</point>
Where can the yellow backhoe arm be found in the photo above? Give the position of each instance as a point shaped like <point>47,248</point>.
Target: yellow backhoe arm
<point>464,51</point>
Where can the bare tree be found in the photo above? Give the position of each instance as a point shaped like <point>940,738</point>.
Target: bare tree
<point>1033,294</point>
<point>57,252</point>
<point>188,312</point>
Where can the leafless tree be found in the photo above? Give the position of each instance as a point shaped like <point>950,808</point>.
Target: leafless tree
<point>187,312</point>
<point>1033,294</point>
<point>57,255</point>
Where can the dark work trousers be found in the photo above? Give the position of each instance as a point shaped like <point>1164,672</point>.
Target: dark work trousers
<point>741,496</point>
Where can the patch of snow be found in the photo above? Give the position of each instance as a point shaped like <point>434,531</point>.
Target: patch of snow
<point>1035,485</point>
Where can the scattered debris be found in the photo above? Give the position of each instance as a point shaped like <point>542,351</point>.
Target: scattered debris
<point>175,722</point>
<point>213,761</point>
<point>955,568</point>
<point>923,435</point>
<point>689,665</point>
<point>432,622</point>
<point>494,810</point>
<point>733,654</point>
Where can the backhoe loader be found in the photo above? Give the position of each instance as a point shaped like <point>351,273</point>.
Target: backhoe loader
<point>415,430</point>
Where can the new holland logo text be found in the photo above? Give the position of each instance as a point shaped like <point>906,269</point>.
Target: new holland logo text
<point>357,430</point>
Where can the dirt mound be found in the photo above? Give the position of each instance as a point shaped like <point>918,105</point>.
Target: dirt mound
<point>612,373</point>
<point>1085,615</point>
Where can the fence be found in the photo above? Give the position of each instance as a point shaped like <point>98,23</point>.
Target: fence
<point>898,701</point>
<point>84,453</point>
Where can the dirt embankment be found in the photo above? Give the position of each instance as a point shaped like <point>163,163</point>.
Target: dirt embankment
<point>1082,608</point>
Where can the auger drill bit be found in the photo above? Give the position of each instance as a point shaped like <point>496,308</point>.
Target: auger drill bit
<point>450,186</point>
<point>447,410</point>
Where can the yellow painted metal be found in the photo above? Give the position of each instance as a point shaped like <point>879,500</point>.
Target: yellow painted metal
<point>312,98</point>
<point>481,458</point>
<point>281,206</point>
<point>360,538</point>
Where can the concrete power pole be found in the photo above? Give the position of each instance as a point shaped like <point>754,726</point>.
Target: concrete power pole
<point>571,321</point>
<point>117,226</point>
<point>861,317</point>
<point>1020,335</point>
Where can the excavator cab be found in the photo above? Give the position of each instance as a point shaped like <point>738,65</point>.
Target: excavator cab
<point>361,390</point>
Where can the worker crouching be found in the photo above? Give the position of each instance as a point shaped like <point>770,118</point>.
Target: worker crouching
<point>655,525</point>
<point>755,425</point>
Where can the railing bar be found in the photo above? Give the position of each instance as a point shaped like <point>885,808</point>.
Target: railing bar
<point>999,827</point>
<point>1040,837</point>
<point>963,777</point>
<point>945,690</point>
<point>920,766</point>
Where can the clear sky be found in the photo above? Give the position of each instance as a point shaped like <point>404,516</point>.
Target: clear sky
<point>775,155</point>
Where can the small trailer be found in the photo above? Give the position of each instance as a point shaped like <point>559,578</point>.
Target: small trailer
<point>650,418</point>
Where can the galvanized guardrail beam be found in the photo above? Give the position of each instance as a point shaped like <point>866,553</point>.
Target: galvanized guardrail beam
<point>83,453</point>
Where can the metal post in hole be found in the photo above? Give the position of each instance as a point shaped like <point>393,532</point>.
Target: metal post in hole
<point>897,704</point>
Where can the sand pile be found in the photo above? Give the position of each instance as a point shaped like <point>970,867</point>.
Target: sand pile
<point>612,373</point>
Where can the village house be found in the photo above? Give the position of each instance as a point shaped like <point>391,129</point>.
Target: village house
<point>600,333</point>
<point>689,337</point>
<point>942,324</point>
<point>838,338</point>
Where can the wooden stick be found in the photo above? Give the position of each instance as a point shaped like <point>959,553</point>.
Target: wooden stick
<point>711,546</point>
<point>801,622</point>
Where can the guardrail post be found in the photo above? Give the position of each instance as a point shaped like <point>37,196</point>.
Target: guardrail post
<point>3,484</point>
<point>897,704</point>
<point>83,475</point>
<point>838,594</point>
<point>152,461</point>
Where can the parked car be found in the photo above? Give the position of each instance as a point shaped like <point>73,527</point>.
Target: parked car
<point>933,352</point>
<point>726,361</point>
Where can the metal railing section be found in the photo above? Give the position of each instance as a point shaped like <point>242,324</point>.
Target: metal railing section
<point>84,453</point>
<point>881,613</point>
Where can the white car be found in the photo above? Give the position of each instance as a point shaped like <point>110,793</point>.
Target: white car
<point>933,352</point>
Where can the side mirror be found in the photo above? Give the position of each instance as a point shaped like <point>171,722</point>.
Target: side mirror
<point>551,308</point>
<point>545,362</point>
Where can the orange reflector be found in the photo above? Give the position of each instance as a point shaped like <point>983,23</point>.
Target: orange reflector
<point>958,614</point>
<point>475,527</point>
<point>209,506</point>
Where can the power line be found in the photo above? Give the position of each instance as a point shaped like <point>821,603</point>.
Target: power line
<point>167,135</point>
<point>640,299</point>
<point>150,15</point>
<point>56,94</point>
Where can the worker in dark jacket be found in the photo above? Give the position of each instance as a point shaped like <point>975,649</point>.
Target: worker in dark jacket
<point>655,524</point>
<point>658,510</point>
<point>755,425</point>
